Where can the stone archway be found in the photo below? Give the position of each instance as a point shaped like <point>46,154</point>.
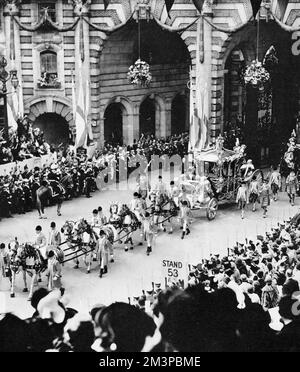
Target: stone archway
<point>58,106</point>
<point>125,130</point>
<point>55,128</point>
<point>47,108</point>
<point>152,116</point>
<point>113,123</point>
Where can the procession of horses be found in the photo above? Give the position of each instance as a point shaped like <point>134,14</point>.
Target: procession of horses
<point>94,244</point>
<point>213,180</point>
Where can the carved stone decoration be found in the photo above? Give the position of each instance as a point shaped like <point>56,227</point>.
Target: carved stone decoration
<point>11,6</point>
<point>208,7</point>
<point>81,7</point>
<point>142,10</point>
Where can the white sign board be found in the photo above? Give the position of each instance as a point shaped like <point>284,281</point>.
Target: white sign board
<point>174,270</point>
<point>45,160</point>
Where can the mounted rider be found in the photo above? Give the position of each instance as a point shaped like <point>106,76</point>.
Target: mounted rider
<point>136,206</point>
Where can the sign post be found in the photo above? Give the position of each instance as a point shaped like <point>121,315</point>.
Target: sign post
<point>174,271</point>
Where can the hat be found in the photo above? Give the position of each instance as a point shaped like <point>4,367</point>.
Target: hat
<point>49,307</point>
<point>268,279</point>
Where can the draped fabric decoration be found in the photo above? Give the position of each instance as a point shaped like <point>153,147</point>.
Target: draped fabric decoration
<point>108,29</point>
<point>169,4</point>
<point>45,19</point>
<point>201,40</point>
<point>175,29</point>
<point>81,40</point>
<point>12,39</point>
<point>228,30</point>
<point>284,26</point>
<point>255,6</point>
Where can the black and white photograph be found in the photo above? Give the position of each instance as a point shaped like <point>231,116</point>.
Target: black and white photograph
<point>149,179</point>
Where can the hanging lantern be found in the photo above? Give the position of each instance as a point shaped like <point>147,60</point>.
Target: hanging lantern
<point>256,75</point>
<point>139,73</point>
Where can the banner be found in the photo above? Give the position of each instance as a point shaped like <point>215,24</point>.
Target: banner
<point>41,162</point>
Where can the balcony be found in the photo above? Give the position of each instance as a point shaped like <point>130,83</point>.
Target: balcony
<point>49,81</point>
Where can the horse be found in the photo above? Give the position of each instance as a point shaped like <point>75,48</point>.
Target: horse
<point>57,194</point>
<point>163,207</point>
<point>129,224</point>
<point>81,238</point>
<point>29,260</point>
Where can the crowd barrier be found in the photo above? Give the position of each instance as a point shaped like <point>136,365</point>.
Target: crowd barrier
<point>31,163</point>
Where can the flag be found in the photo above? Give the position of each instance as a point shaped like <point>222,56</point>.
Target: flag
<point>20,101</point>
<point>106,3</point>
<point>87,109</point>
<point>201,99</point>
<point>169,4</point>
<point>12,124</point>
<point>15,103</point>
<point>80,123</point>
<point>73,97</point>
<point>192,122</point>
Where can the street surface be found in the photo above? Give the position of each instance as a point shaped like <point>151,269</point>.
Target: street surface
<point>133,270</point>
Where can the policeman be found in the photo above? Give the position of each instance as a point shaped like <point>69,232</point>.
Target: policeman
<point>5,201</point>
<point>18,197</point>
<point>28,202</point>
<point>89,181</point>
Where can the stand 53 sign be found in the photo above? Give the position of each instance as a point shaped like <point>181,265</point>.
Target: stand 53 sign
<point>174,271</point>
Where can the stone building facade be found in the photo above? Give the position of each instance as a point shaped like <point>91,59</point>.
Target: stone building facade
<point>103,43</point>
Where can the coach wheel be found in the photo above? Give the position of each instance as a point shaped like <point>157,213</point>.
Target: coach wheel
<point>212,208</point>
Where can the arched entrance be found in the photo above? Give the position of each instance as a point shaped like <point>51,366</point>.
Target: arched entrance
<point>262,118</point>
<point>113,123</point>
<point>178,114</point>
<point>55,128</point>
<point>148,117</point>
<point>169,60</point>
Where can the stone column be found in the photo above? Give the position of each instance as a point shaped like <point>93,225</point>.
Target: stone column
<point>168,118</point>
<point>135,123</point>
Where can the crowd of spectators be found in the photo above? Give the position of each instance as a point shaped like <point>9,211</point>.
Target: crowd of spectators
<point>77,172</point>
<point>25,143</point>
<point>225,306</point>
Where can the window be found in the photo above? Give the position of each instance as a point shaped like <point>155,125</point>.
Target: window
<point>49,76</point>
<point>51,9</point>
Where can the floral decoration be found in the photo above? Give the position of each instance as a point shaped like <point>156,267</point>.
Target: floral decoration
<point>139,73</point>
<point>256,75</point>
